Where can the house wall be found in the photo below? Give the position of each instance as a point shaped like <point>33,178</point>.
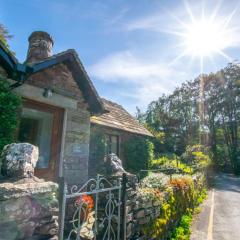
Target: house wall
<point>95,159</point>
<point>76,127</point>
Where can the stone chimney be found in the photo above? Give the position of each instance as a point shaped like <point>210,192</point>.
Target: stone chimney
<point>40,47</point>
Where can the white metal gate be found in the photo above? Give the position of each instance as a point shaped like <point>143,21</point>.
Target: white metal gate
<point>92,211</point>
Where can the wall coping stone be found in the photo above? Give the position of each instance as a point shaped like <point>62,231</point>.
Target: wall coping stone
<point>25,187</point>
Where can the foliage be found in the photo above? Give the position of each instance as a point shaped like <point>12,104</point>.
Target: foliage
<point>182,232</point>
<point>98,146</point>
<point>181,182</point>
<point>197,156</point>
<point>170,165</point>
<point>138,151</point>
<point>4,35</point>
<point>150,194</point>
<point>9,113</point>
<point>155,180</point>
<point>205,110</point>
<point>181,195</point>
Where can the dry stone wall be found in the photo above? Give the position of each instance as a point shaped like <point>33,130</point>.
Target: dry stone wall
<point>28,205</point>
<point>138,213</point>
<point>28,210</point>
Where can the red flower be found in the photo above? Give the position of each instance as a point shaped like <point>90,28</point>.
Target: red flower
<point>88,200</point>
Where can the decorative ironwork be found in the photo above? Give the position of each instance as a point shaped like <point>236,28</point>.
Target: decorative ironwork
<point>96,210</point>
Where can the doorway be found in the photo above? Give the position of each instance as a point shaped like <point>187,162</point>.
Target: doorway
<point>41,125</point>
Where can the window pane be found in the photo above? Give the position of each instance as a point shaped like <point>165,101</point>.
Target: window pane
<point>36,128</point>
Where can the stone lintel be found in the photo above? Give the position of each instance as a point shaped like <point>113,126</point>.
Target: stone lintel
<point>36,93</point>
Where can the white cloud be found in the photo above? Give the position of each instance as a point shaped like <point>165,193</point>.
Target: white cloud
<point>153,22</point>
<point>127,67</point>
<point>147,79</point>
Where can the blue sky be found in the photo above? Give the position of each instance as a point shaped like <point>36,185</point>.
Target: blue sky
<point>128,47</point>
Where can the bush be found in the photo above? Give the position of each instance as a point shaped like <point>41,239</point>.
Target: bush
<point>170,165</point>
<point>197,156</point>
<point>182,232</point>
<point>178,200</point>
<point>155,180</point>
<point>138,152</point>
<point>98,146</point>
<point>9,113</point>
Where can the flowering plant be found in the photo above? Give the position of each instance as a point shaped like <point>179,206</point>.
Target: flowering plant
<point>181,182</point>
<point>88,200</point>
<point>87,217</point>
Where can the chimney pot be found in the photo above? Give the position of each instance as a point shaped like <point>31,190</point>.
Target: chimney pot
<point>40,46</point>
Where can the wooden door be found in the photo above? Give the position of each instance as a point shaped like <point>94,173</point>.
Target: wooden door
<point>41,124</point>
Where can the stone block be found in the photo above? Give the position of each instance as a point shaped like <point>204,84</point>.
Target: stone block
<point>26,209</point>
<point>19,160</point>
<point>140,214</point>
<point>144,220</point>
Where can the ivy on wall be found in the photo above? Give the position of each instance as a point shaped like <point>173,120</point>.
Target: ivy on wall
<point>98,146</point>
<point>138,152</point>
<point>10,104</point>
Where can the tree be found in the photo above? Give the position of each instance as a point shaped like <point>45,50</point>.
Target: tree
<point>4,35</point>
<point>205,110</point>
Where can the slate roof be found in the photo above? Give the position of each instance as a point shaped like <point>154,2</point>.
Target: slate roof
<point>20,72</point>
<point>118,118</point>
<point>72,61</point>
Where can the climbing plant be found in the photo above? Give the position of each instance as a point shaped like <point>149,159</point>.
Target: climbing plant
<point>138,152</point>
<point>10,104</point>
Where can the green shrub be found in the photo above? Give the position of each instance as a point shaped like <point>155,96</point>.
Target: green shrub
<point>170,165</point>
<point>138,152</point>
<point>179,197</point>
<point>98,146</point>
<point>155,180</point>
<point>9,113</point>
<point>197,156</point>
<point>182,232</point>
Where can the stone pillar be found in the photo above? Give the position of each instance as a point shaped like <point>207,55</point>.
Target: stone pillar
<point>19,160</point>
<point>40,47</point>
<point>28,205</point>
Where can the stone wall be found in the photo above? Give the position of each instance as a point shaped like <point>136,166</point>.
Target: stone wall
<point>155,219</point>
<point>28,210</point>
<point>138,213</point>
<point>76,152</point>
<point>28,205</point>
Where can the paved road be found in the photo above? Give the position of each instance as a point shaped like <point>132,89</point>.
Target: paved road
<point>220,215</point>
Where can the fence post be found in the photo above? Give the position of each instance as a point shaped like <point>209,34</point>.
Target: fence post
<point>124,191</point>
<point>62,205</point>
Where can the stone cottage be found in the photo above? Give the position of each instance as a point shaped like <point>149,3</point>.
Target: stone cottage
<point>117,126</point>
<point>59,100</point>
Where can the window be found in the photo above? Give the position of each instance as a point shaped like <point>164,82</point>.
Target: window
<point>36,128</point>
<point>113,144</point>
<point>41,125</point>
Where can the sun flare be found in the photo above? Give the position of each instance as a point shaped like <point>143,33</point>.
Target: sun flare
<point>205,35</point>
<point>205,38</point>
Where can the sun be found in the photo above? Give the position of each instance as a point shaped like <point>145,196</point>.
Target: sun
<point>205,35</point>
<point>205,38</point>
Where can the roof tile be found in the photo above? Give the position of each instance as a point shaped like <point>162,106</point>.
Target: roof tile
<point>117,117</point>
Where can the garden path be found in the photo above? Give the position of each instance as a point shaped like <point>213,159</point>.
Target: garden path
<point>220,214</point>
